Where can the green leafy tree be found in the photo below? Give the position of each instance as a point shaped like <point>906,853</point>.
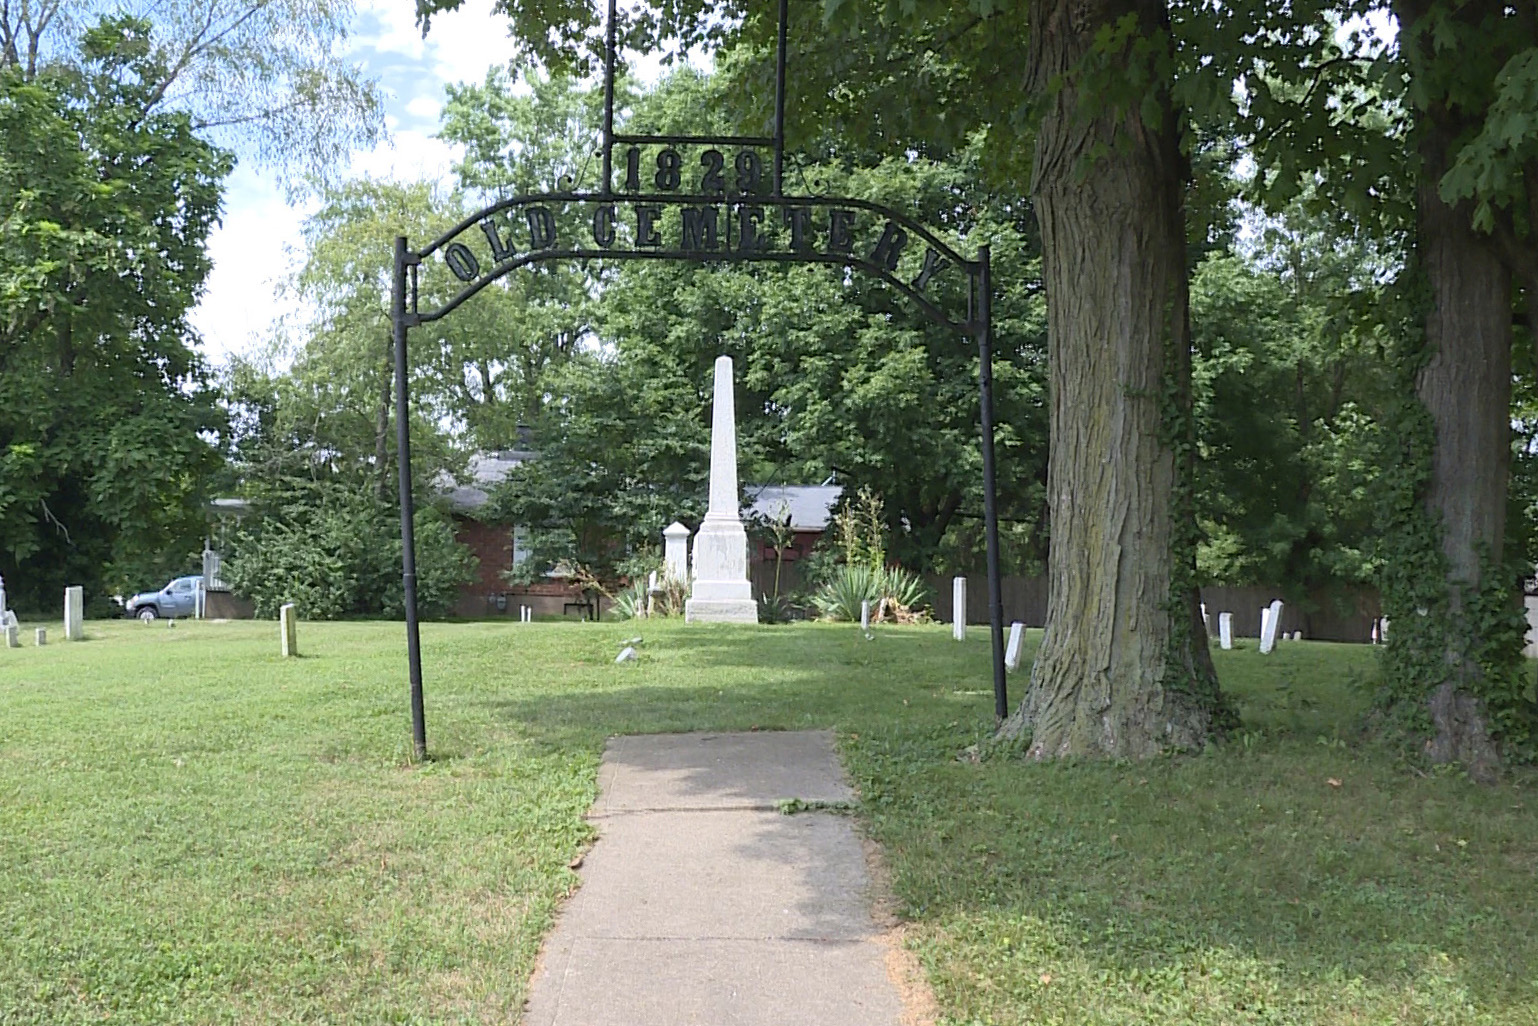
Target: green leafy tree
<point>107,415</point>
<point>334,551</point>
<point>263,78</point>
<point>1291,378</point>
<point>1472,73</point>
<point>623,451</point>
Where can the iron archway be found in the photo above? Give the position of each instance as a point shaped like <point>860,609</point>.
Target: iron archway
<point>730,213</point>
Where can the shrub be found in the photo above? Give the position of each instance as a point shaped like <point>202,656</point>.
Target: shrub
<point>335,552</point>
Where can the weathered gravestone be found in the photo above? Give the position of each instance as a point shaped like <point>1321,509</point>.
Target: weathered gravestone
<point>959,608</point>
<point>865,614</point>
<point>675,551</point>
<point>41,636</point>
<point>288,627</point>
<point>7,618</point>
<point>74,613</point>
<point>1016,644</point>
<point>1226,631</point>
<point>1270,619</point>
<point>12,636</point>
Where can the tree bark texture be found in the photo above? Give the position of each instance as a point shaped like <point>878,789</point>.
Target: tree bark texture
<point>1123,669</point>
<point>1466,387</point>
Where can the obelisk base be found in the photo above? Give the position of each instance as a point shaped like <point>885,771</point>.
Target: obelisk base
<point>721,592</point>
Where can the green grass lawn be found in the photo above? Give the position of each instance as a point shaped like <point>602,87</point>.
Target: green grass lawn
<point>193,830</point>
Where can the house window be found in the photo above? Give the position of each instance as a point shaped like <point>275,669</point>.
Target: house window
<point>521,551</point>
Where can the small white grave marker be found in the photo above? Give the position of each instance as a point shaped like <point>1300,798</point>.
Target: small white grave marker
<point>74,602</point>
<point>7,618</point>
<point>1205,622</point>
<point>12,636</point>
<point>675,551</point>
<point>42,636</point>
<point>1016,643</point>
<point>626,655</point>
<point>288,625</point>
<point>959,608</point>
<point>865,614</point>
<point>1270,619</point>
<point>1226,630</point>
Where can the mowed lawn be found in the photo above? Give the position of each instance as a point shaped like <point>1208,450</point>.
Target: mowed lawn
<point>193,830</point>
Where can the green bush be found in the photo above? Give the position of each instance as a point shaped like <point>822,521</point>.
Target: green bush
<point>335,552</point>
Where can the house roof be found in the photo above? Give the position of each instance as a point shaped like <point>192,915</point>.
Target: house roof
<point>810,506</point>
<point>486,469</point>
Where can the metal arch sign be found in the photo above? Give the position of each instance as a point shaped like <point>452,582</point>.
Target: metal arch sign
<point>695,226</point>
<point>705,199</point>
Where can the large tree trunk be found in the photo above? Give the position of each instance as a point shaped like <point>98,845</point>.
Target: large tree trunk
<point>1123,669</point>
<point>1466,387</point>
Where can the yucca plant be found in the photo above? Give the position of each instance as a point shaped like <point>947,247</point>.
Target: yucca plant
<point>902,592</point>
<point>841,596</point>
<point>630,603</point>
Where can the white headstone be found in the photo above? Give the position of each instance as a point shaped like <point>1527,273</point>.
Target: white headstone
<point>12,636</point>
<point>675,551</point>
<point>865,614</point>
<point>1205,622</point>
<point>1226,630</point>
<point>722,592</point>
<point>959,608</point>
<point>1270,619</point>
<point>7,618</point>
<point>1016,643</point>
<point>41,636</point>
<point>74,601</point>
<point>626,655</point>
<point>288,625</point>
<point>1374,635</point>
<point>1383,630</point>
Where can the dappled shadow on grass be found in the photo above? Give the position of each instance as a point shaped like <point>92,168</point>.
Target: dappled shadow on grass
<point>1293,875</point>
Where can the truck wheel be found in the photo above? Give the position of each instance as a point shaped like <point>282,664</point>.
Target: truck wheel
<point>147,614</point>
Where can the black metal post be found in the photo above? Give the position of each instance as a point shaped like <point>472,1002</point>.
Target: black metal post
<point>399,325</point>
<point>608,104</point>
<point>990,482</point>
<point>779,101</point>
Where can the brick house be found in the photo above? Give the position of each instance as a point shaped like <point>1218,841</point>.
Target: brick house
<point>499,548</point>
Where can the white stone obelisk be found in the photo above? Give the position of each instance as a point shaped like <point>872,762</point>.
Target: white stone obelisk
<point>722,592</point>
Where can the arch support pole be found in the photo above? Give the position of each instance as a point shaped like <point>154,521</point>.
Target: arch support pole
<point>399,323</point>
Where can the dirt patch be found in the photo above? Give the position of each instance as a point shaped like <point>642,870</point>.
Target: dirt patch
<point>902,966</point>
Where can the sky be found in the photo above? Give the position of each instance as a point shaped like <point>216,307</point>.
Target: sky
<point>257,244</point>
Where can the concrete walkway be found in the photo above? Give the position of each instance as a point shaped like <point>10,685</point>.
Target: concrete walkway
<point>703,905</point>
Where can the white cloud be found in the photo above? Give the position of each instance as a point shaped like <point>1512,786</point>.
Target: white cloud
<point>410,156</point>
<point>258,244</point>
<point>424,107</point>
<point>253,250</point>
